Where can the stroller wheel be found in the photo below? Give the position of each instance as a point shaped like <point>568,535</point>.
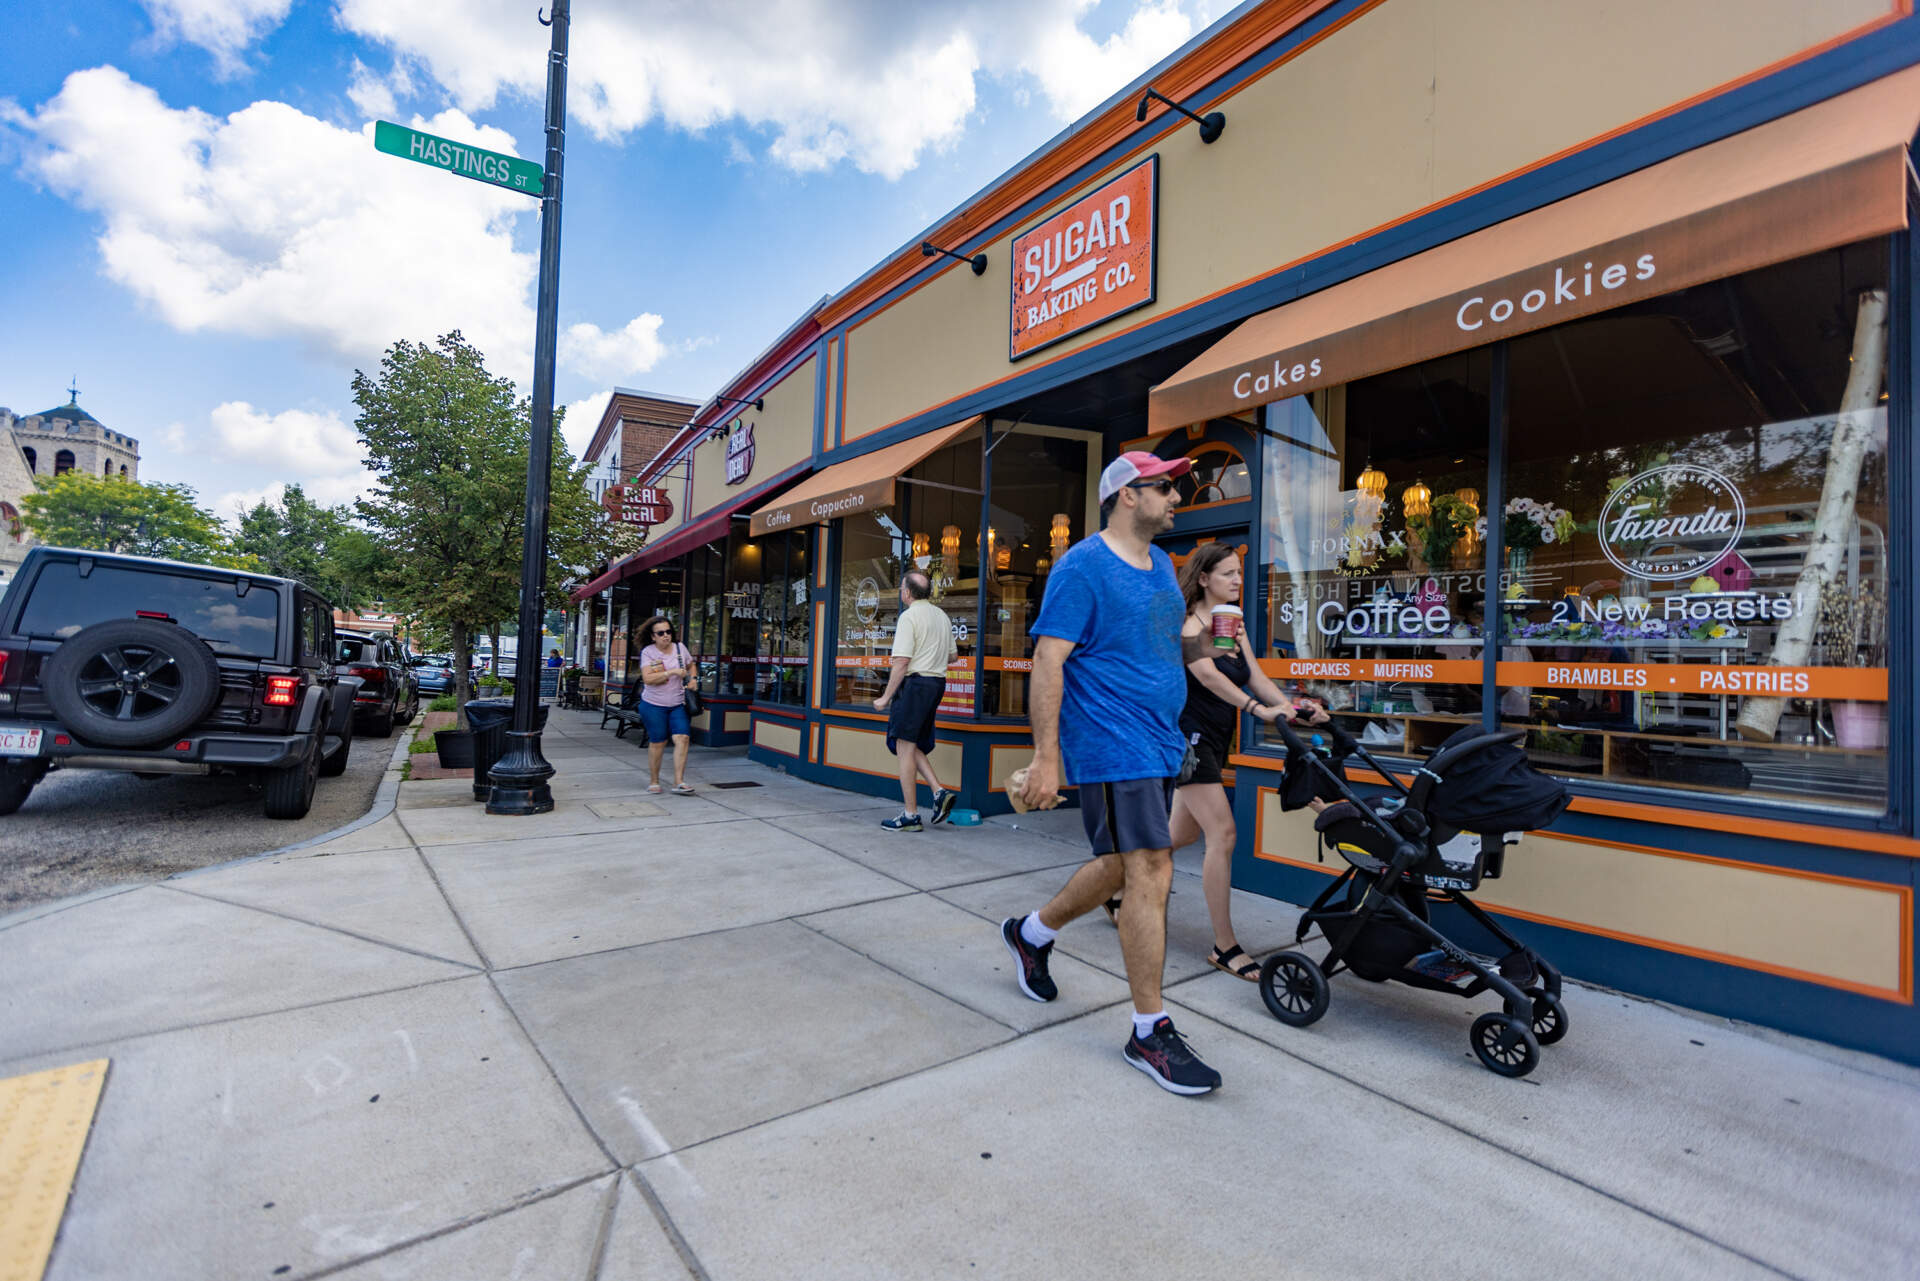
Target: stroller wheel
<point>1549,1016</point>
<point>1505,1045</point>
<point>1294,989</point>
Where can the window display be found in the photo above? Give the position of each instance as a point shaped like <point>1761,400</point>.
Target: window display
<point>781,664</point>
<point>1694,575</point>
<point>1713,611</point>
<point>1040,506</point>
<point>1375,565</point>
<point>934,524</point>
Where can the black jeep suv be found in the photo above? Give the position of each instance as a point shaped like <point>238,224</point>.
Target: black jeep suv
<point>388,694</point>
<point>158,667</point>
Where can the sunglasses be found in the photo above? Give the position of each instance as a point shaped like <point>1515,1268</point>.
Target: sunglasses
<point>1163,486</point>
<point>663,631</point>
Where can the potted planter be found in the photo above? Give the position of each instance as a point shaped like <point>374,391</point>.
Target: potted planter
<point>1860,725</point>
<point>455,747</point>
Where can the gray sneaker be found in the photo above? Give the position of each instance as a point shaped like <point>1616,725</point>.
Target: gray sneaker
<point>903,823</point>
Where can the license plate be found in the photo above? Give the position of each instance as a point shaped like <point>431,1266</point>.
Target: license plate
<point>18,741</point>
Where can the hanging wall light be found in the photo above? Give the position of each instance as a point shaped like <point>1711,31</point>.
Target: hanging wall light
<point>1373,481</point>
<point>1416,499</point>
<point>1060,534</point>
<point>920,546</point>
<point>1003,559</point>
<point>1469,541</point>
<point>950,544</point>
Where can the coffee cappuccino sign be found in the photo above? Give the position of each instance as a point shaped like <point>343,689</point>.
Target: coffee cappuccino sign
<point>1672,523</point>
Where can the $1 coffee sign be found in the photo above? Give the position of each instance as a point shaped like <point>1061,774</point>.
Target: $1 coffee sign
<point>1090,262</point>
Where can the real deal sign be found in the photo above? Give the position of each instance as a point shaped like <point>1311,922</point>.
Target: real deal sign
<point>637,504</point>
<point>1090,262</point>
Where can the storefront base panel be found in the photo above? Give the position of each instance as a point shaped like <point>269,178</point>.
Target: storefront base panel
<point>1815,952</point>
<point>852,753</point>
<point>724,723</point>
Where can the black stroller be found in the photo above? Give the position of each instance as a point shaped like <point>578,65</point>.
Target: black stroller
<point>1431,842</point>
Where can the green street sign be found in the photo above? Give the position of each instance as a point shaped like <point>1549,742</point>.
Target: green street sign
<point>457,157</point>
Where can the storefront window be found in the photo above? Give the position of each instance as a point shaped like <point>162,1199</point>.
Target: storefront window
<point>702,627</point>
<point>1697,577</point>
<point>934,524</point>
<point>739,630</point>
<point>1040,507</point>
<point>1374,576</point>
<point>781,665</point>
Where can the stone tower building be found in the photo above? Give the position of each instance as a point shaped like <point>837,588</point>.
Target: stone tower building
<point>67,438</point>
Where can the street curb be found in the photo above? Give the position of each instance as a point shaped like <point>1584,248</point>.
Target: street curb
<point>385,797</point>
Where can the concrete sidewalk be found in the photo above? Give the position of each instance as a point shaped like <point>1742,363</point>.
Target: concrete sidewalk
<point>748,1034</point>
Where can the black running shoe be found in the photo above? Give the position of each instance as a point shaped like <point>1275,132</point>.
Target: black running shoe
<point>903,823</point>
<point>1030,962</point>
<point>943,804</point>
<point>1164,1056</point>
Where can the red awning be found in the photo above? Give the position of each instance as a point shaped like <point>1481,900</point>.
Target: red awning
<point>705,530</point>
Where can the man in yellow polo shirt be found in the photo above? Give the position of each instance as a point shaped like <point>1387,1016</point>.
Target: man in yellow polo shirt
<point>922,647</point>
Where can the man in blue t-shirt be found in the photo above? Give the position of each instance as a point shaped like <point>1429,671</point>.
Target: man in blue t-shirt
<point>1106,694</point>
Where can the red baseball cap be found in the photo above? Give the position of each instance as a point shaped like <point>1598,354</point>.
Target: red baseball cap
<point>1138,464</point>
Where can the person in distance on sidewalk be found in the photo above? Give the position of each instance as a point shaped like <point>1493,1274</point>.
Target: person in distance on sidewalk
<point>923,647</point>
<point>1106,694</point>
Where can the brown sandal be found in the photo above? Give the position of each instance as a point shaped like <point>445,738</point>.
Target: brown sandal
<point>1245,968</point>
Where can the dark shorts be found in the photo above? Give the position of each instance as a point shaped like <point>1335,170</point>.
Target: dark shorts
<point>664,722</point>
<point>1128,815</point>
<point>1209,755</point>
<point>910,718</point>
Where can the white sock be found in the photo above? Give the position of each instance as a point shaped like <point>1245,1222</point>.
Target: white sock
<point>1036,934</point>
<point>1143,1023</point>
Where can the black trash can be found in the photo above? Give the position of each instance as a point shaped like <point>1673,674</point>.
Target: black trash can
<point>491,718</point>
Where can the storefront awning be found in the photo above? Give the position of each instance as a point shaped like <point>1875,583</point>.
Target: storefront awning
<point>1825,176</point>
<point>709,528</point>
<point>857,485</point>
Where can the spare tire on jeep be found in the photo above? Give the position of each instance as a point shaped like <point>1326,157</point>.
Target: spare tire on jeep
<point>131,682</point>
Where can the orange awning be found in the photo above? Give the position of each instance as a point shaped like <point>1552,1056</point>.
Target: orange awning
<point>1829,175</point>
<point>857,485</point>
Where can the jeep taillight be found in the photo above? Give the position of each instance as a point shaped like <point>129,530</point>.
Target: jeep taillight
<point>282,690</point>
<point>369,675</point>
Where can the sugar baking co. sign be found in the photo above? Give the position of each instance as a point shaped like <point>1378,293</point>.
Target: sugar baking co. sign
<point>1090,262</point>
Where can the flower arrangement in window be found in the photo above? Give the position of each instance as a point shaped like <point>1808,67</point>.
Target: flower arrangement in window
<point>1447,519</point>
<point>1529,524</point>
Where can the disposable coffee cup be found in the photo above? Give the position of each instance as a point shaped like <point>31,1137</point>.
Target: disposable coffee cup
<point>1226,626</point>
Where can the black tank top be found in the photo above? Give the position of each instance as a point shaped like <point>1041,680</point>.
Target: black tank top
<point>1206,712</point>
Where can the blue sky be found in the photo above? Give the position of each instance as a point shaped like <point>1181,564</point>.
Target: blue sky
<point>200,232</point>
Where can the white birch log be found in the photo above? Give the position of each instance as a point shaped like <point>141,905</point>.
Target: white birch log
<point>1853,434</point>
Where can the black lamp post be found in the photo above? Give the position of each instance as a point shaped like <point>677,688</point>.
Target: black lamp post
<point>978,262</point>
<point>520,777</point>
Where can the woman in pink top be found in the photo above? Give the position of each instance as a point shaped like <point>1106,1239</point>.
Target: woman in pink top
<point>664,667</point>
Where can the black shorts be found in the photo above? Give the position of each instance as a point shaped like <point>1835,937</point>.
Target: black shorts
<point>910,718</point>
<point>1209,758</point>
<point>1128,815</point>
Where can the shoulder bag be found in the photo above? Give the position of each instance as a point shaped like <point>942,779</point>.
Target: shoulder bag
<point>689,696</point>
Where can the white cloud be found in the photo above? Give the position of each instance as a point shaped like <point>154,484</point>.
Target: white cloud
<point>582,418</point>
<point>1078,73</point>
<point>224,28</point>
<point>616,356</point>
<point>270,223</point>
<point>314,449</point>
<point>873,83</point>
<point>373,96</point>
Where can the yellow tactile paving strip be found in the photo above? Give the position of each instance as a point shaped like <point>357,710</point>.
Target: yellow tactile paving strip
<point>44,1119</point>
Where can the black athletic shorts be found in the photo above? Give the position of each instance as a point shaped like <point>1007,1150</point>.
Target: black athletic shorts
<point>910,717</point>
<point>1128,815</point>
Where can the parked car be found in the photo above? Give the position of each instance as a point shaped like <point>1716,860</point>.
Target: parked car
<point>434,674</point>
<point>388,693</point>
<point>158,667</point>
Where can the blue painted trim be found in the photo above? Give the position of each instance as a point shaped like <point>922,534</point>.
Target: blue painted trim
<point>822,356</point>
<point>1847,67</point>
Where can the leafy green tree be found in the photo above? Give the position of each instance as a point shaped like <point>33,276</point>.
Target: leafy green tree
<point>112,515</point>
<point>319,545</point>
<point>447,442</point>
